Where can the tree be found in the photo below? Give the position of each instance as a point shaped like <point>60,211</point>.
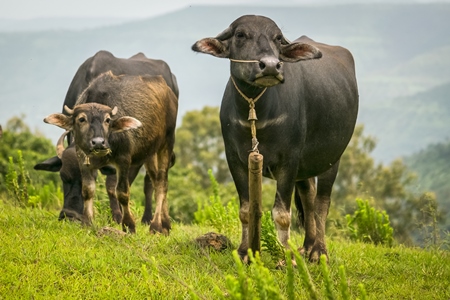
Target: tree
<point>391,187</point>
<point>34,146</point>
<point>199,145</point>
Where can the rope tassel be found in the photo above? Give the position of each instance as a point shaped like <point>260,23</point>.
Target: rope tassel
<point>251,114</point>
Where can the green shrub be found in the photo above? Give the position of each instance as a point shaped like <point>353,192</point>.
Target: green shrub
<point>24,193</point>
<point>369,225</point>
<point>269,239</point>
<point>223,217</point>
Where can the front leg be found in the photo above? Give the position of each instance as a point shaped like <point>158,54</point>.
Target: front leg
<point>239,173</point>
<point>88,177</point>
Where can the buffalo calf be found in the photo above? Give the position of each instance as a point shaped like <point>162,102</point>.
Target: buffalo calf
<point>124,121</point>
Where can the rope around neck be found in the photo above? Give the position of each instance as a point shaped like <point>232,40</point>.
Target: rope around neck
<point>251,113</point>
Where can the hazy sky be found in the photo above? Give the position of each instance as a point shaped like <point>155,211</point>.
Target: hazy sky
<point>28,9</point>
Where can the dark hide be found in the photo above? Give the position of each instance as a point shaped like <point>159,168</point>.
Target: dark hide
<point>306,118</point>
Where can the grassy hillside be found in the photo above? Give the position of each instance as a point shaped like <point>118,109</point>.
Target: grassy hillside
<point>400,50</point>
<point>43,258</point>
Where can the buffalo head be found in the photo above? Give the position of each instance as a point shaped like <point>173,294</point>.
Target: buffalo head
<point>91,125</point>
<point>257,48</point>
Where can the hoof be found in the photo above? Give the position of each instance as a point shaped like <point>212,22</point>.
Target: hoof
<point>316,252</point>
<point>71,215</point>
<point>158,229</point>
<point>117,217</point>
<point>129,229</point>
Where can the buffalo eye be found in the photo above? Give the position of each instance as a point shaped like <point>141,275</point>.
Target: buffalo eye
<point>240,35</point>
<point>82,120</point>
<point>108,120</point>
<point>279,37</point>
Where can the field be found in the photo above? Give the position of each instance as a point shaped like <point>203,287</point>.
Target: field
<point>43,258</point>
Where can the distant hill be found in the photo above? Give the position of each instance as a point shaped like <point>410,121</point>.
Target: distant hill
<point>401,51</point>
<point>432,166</point>
<point>405,124</point>
<point>55,24</point>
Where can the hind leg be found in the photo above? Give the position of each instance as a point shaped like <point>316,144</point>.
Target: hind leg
<point>322,204</point>
<point>157,167</point>
<point>305,194</point>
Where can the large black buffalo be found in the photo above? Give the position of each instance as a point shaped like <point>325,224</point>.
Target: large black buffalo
<point>307,105</point>
<point>124,121</point>
<point>67,164</point>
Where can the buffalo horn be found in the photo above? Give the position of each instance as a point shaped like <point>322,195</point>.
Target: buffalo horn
<point>68,110</point>
<point>60,144</point>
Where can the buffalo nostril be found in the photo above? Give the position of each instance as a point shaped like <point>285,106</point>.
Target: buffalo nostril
<point>95,142</point>
<point>262,65</point>
<point>279,65</point>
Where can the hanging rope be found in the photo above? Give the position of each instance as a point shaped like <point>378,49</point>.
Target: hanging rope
<point>251,114</point>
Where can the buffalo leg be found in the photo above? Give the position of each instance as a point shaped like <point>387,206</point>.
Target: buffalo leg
<point>306,192</point>
<point>123,195</point>
<point>281,211</point>
<point>111,181</point>
<point>322,204</point>
<point>88,192</point>
<point>148,192</point>
<point>240,178</point>
<point>158,167</point>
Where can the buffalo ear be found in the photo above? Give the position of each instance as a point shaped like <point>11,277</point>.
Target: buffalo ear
<point>52,164</point>
<point>299,51</point>
<point>60,120</point>
<point>212,46</point>
<point>125,123</point>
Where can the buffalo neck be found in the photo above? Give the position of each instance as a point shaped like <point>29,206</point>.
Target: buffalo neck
<point>252,92</point>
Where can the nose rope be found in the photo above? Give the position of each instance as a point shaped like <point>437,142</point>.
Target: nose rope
<point>243,60</point>
<point>251,114</point>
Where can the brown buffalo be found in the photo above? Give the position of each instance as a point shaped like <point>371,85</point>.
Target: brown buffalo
<point>124,121</point>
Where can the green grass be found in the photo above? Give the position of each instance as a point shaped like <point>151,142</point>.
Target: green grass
<point>42,258</point>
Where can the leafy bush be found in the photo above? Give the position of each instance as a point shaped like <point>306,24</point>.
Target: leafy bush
<point>223,217</point>
<point>369,225</point>
<point>24,193</point>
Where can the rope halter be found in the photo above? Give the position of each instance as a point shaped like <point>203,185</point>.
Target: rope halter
<point>251,113</point>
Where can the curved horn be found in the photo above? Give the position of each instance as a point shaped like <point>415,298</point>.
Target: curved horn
<point>60,144</point>
<point>68,110</point>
